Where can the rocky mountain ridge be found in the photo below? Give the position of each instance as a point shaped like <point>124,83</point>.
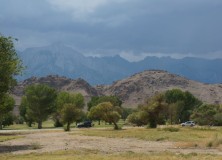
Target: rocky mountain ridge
<point>132,91</point>
<point>59,59</point>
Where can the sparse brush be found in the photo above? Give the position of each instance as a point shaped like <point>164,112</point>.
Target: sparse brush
<point>215,142</point>
<point>171,129</point>
<point>35,146</point>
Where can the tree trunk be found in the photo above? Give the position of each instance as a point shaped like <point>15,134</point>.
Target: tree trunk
<point>99,122</point>
<point>30,124</point>
<point>68,127</point>
<point>39,124</point>
<point>1,126</point>
<point>115,126</point>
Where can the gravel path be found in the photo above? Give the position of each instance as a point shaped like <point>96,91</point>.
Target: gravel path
<point>49,141</point>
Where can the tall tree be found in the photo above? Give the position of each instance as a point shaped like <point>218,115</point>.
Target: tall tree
<point>23,108</point>
<point>10,66</point>
<point>156,108</point>
<point>107,112</point>
<point>6,105</point>
<point>40,102</point>
<point>66,98</point>
<point>181,103</point>
<point>205,114</point>
<point>153,112</point>
<point>69,114</point>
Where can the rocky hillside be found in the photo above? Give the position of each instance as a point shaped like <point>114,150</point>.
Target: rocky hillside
<point>59,83</point>
<point>132,90</point>
<point>135,89</point>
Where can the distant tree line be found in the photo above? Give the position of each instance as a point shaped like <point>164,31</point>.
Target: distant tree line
<point>173,107</point>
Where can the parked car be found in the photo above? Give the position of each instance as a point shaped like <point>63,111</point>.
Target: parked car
<point>85,124</point>
<point>188,123</point>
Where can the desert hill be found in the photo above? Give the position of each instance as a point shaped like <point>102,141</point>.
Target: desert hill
<point>137,88</point>
<point>59,83</point>
<point>132,90</point>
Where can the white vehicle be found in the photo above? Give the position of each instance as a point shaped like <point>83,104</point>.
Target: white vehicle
<point>188,123</point>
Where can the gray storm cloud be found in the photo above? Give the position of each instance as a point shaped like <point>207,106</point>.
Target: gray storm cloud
<point>185,27</point>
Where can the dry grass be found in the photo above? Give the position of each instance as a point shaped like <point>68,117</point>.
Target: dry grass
<point>165,134</point>
<point>95,155</point>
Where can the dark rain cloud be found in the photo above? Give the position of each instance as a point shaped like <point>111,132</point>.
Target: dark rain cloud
<point>135,26</point>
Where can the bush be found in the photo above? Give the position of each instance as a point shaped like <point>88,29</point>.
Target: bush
<point>171,129</point>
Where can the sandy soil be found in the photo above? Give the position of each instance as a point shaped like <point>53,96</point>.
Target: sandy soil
<point>49,141</point>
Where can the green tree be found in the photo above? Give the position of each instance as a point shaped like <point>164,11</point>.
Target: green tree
<point>153,112</point>
<point>126,112</point>
<point>156,109</point>
<point>69,114</point>
<point>66,98</point>
<point>10,66</point>
<point>138,118</point>
<point>205,114</point>
<point>107,112</point>
<point>40,102</point>
<point>181,103</point>
<point>23,111</point>
<point>6,106</point>
<point>97,100</point>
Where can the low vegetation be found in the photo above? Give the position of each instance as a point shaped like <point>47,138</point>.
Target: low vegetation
<point>96,155</point>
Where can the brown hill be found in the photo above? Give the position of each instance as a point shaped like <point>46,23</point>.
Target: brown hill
<point>59,83</point>
<point>132,91</point>
<point>135,89</point>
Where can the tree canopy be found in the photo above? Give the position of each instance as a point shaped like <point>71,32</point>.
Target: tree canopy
<point>115,101</point>
<point>69,114</point>
<point>66,98</point>
<point>40,102</point>
<point>10,66</point>
<point>107,112</point>
<point>173,106</point>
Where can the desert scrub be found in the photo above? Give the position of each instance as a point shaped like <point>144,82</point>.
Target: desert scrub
<point>171,129</point>
<point>215,142</point>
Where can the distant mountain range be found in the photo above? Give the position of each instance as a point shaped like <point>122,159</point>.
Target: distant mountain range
<point>59,59</point>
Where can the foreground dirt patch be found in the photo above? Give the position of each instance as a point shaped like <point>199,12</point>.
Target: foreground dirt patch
<point>58,140</point>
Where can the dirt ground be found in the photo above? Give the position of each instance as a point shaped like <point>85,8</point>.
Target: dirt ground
<point>49,141</point>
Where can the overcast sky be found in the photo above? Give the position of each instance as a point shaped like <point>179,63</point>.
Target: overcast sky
<point>132,28</point>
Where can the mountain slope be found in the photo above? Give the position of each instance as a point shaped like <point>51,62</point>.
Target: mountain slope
<point>132,91</point>
<point>137,88</point>
<point>62,60</point>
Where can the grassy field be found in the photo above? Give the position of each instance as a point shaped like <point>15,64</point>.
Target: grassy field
<point>184,137</point>
<point>195,136</point>
<point>94,155</point>
<point>49,124</point>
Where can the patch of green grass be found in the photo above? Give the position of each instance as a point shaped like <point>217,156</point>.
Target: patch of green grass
<point>96,155</point>
<point>4,138</point>
<point>45,125</point>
